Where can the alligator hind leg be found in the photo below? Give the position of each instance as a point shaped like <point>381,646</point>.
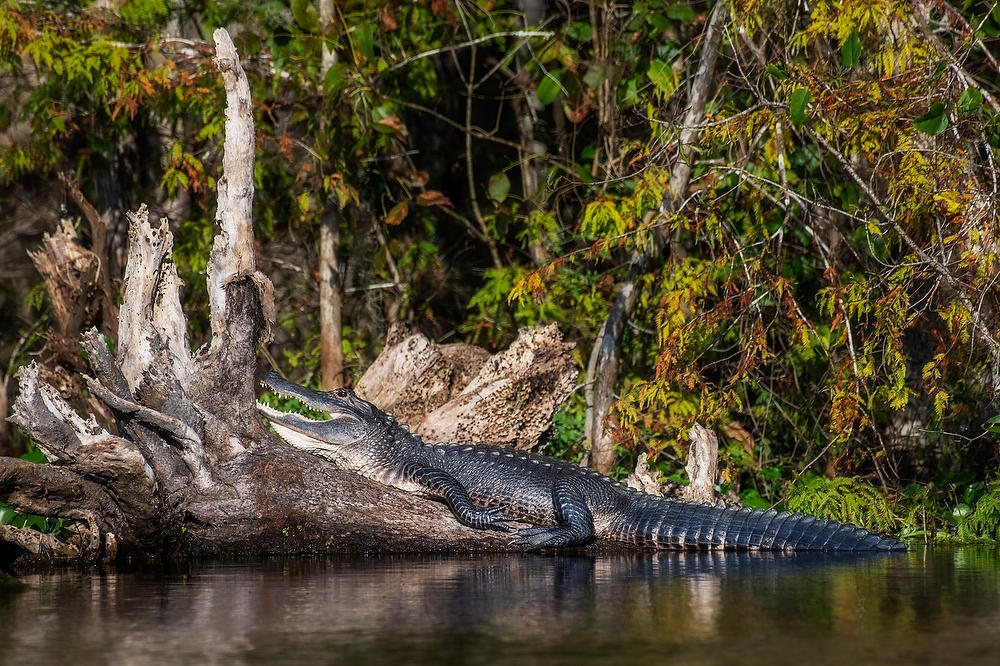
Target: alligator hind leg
<point>574,523</point>
<point>444,485</point>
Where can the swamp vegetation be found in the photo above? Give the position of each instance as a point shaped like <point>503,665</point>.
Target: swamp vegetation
<point>776,219</point>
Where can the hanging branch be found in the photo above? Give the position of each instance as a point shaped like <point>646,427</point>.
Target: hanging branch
<point>470,90</point>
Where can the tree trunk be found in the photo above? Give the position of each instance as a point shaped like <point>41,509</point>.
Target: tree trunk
<point>331,293</point>
<point>602,368</point>
<point>189,467</point>
<point>331,300</point>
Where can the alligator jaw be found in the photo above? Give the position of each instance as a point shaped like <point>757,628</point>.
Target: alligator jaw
<point>344,425</point>
<point>296,429</point>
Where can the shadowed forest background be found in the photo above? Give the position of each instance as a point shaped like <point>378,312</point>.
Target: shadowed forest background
<point>776,219</point>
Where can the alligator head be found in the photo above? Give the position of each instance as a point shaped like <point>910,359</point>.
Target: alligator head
<point>351,418</point>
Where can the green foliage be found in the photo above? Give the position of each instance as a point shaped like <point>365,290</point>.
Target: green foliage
<point>970,100</point>
<point>37,297</point>
<point>566,436</point>
<point>49,525</point>
<point>797,103</point>
<point>34,454</point>
<point>933,121</point>
<point>847,499</point>
<point>850,52</point>
<point>498,187</point>
<point>982,520</point>
<point>286,403</point>
<point>550,86</point>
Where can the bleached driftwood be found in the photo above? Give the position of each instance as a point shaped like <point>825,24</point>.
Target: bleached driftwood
<point>459,393</point>
<point>702,465</point>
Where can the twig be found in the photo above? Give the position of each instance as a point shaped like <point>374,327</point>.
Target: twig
<point>470,89</point>
<point>526,34</point>
<point>371,287</point>
<point>919,15</point>
<point>486,136</point>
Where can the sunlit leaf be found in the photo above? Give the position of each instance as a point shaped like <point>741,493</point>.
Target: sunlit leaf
<point>398,213</point>
<point>934,121</point>
<point>498,187</point>
<point>662,75</point>
<point>550,86</point>
<point>797,103</point>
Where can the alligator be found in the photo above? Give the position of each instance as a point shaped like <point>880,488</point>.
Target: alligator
<point>487,487</point>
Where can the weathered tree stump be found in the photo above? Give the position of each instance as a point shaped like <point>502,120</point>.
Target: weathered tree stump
<point>459,393</point>
<point>190,468</point>
<point>701,465</point>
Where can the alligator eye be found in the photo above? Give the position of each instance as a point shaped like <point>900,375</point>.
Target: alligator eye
<point>341,392</point>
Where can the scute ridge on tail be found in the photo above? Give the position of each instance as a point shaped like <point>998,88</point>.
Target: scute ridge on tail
<point>670,524</point>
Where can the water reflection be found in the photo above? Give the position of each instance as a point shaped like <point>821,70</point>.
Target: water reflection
<point>691,608</point>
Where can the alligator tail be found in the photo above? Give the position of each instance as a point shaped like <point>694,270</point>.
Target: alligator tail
<point>675,524</point>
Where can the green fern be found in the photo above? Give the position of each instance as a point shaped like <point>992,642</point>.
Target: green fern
<point>984,520</point>
<point>847,499</point>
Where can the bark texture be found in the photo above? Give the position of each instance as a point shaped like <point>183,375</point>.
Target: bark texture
<point>459,393</point>
<point>702,465</point>
<point>185,464</point>
<point>72,274</point>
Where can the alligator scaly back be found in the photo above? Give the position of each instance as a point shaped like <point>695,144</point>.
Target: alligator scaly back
<point>674,524</point>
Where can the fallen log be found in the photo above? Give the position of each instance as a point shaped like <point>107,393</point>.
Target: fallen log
<point>189,467</point>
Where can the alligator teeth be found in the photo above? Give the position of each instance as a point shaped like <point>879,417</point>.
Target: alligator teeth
<point>268,410</point>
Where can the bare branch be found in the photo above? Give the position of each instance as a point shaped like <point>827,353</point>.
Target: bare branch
<point>525,34</point>
<point>99,245</point>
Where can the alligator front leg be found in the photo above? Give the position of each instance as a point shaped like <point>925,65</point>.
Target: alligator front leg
<point>444,485</point>
<point>574,522</point>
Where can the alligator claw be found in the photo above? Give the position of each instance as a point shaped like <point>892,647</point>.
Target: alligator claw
<point>572,533</point>
<point>490,519</point>
<point>539,536</point>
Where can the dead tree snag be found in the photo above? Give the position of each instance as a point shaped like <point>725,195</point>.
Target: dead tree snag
<point>188,466</point>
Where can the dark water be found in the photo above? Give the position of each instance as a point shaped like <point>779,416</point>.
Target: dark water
<point>927,606</point>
